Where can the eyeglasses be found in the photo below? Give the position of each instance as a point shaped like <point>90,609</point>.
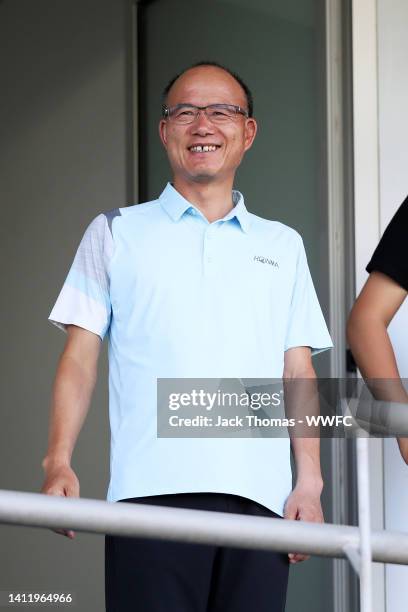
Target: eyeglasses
<point>183,114</point>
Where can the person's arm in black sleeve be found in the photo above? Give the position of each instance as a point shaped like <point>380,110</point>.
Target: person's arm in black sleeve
<point>381,297</point>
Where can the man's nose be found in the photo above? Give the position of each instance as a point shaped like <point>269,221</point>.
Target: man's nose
<point>202,124</point>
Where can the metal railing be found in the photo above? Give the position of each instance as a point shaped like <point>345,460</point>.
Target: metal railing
<point>201,526</point>
<point>359,545</point>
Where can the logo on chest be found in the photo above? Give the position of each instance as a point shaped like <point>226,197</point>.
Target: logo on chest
<point>266,260</point>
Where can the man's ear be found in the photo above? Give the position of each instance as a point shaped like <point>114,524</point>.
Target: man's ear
<point>163,132</point>
<point>251,129</point>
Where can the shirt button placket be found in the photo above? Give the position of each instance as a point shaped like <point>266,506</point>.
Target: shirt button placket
<point>208,251</point>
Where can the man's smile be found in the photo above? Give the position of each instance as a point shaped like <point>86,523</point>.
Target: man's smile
<point>203,148</point>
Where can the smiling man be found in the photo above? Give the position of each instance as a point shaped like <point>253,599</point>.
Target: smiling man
<point>191,285</point>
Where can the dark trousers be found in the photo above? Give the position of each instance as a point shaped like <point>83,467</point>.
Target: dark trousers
<point>145,575</point>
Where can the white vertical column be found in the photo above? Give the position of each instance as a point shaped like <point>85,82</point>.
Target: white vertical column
<point>367,216</point>
<point>364,521</point>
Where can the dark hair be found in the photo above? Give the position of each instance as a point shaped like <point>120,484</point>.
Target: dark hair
<point>244,86</point>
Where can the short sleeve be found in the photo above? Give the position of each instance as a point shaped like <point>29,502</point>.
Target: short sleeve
<point>390,256</point>
<point>306,325</point>
<point>84,298</point>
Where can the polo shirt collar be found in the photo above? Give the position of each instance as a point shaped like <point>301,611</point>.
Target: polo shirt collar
<point>176,205</point>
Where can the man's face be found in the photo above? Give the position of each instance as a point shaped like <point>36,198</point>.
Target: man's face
<point>202,86</point>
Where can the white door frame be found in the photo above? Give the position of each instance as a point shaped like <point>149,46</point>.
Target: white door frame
<point>367,215</point>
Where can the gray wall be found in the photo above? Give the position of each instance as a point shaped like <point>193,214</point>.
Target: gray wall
<point>62,148</point>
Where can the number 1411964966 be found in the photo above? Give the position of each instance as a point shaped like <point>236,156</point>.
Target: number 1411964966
<point>29,597</point>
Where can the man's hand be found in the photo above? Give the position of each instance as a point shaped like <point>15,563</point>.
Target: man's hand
<point>61,480</point>
<point>303,504</point>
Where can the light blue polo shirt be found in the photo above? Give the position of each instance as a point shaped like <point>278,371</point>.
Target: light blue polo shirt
<point>179,297</point>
